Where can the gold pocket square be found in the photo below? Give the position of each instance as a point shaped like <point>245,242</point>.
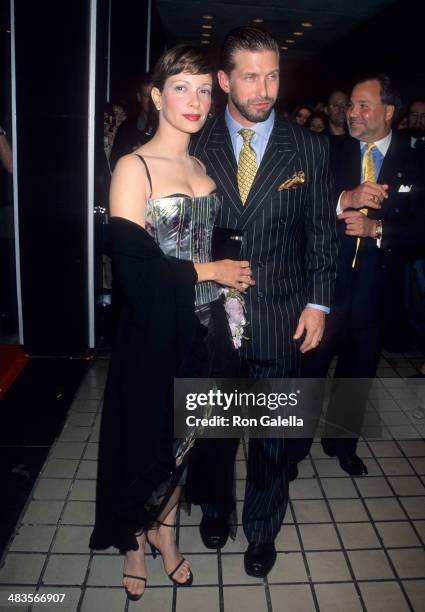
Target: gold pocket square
<point>298,178</point>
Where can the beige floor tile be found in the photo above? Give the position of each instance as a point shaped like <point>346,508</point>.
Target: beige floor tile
<point>379,596</point>
<point>328,467</point>
<point>52,488</point>
<point>238,545</point>
<point>289,515</point>
<point>204,568</point>
<point>385,509</point>
<point>338,488</point>
<point>289,567</point>
<point>87,469</point>
<point>420,528</point>
<point>79,513</point>
<point>67,450</point>
<point>316,451</point>
<point>85,405</point>
<point>43,512</point>
<point>240,489</point>
<point>413,448</point>
<point>157,598</point>
<point>66,569</point>
<point>404,432</point>
<point>72,540</point>
<point>287,539</point>
<point>91,452</point>
<point>373,467</point>
<point>94,393</point>
<point>196,599</point>
<point>81,419</point>
<point>414,506</point>
<point>358,535</point>
<point>363,450</point>
<point>319,537</point>
<point>374,486</point>
<point>60,468</point>
<point>337,597</point>
<point>395,466</point>
<point>418,464</point>
<point>328,566</point>
<point>305,489</point>
<point>83,490</point>
<point>407,485</point>
<point>305,469</point>
<point>69,603</point>
<point>370,564</point>
<point>104,600</point>
<point>194,518</point>
<point>106,570</point>
<point>247,598</point>
<point>408,562</point>
<point>233,571</point>
<point>348,510</point>
<point>396,534</point>
<point>240,469</point>
<point>75,434</point>
<point>415,590</point>
<point>33,538</point>
<point>311,511</point>
<point>385,449</point>
<point>293,597</point>
<point>22,569</point>
<point>190,541</point>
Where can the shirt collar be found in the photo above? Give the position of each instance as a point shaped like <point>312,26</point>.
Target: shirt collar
<point>382,145</point>
<point>263,128</point>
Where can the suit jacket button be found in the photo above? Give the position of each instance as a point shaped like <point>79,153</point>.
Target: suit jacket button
<point>282,221</point>
<point>260,294</point>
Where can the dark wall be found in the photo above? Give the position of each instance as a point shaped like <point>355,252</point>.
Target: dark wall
<point>52,53</point>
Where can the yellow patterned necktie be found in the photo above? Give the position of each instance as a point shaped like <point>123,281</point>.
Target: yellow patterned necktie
<point>368,174</point>
<point>247,165</point>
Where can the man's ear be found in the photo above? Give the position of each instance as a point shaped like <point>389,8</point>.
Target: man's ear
<point>223,79</point>
<point>326,110</point>
<point>156,97</point>
<point>389,112</point>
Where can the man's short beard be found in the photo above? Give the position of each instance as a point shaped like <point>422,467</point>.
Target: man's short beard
<point>254,117</point>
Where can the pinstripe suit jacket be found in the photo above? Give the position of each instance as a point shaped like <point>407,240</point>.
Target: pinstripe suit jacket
<point>289,235</point>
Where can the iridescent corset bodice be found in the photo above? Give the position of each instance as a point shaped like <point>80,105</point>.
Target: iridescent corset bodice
<point>182,226</point>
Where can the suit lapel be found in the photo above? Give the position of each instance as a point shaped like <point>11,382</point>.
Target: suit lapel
<point>279,153</point>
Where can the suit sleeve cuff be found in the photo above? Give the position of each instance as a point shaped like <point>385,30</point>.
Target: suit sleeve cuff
<point>324,309</point>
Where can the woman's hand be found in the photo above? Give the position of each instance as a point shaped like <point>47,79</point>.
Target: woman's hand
<point>227,272</point>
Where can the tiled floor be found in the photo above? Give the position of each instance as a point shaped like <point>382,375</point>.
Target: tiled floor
<point>347,544</point>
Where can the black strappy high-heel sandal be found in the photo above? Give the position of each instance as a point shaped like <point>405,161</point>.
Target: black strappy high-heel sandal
<point>155,551</point>
<point>131,596</point>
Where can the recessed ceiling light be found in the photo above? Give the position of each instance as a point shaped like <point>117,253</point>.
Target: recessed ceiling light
<point>298,33</point>
<point>207,16</point>
<point>307,24</point>
<point>205,26</point>
<point>206,34</point>
<point>290,40</point>
<point>258,20</point>
<point>284,48</point>
<point>205,42</point>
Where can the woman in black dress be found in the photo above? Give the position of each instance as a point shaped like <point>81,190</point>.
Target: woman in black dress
<point>163,207</point>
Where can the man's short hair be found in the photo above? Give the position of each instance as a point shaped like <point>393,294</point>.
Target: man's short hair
<point>389,94</point>
<point>247,38</point>
<point>415,101</point>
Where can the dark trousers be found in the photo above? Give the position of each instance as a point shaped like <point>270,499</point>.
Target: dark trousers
<point>357,351</point>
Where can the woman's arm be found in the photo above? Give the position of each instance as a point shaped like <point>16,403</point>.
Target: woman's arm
<point>227,272</point>
<point>129,190</point>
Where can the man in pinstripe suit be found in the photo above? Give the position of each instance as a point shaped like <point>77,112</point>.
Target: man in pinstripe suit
<point>288,220</point>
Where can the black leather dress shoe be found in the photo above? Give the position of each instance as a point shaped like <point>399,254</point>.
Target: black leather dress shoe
<point>292,470</point>
<point>259,559</point>
<point>350,463</point>
<point>214,532</point>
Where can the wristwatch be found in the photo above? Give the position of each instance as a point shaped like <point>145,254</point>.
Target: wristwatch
<point>378,229</point>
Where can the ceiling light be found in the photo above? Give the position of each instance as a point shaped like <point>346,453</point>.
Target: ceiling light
<point>205,26</point>
<point>298,33</point>
<point>284,48</point>
<point>205,42</point>
<point>258,20</point>
<point>206,34</point>
<point>290,40</point>
<point>207,17</point>
<point>307,24</point>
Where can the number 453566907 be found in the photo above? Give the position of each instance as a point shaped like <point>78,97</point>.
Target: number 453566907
<point>36,597</point>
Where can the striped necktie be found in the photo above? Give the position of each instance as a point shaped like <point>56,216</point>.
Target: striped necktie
<point>368,174</point>
<point>247,164</point>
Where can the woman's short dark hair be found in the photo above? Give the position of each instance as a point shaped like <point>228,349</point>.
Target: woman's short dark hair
<point>388,93</point>
<point>247,38</point>
<point>181,58</point>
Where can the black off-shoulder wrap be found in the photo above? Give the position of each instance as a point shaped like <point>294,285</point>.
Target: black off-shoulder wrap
<point>157,330</point>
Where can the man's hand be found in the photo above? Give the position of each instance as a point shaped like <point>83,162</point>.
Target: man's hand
<point>312,322</point>
<point>357,224</point>
<point>367,194</point>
